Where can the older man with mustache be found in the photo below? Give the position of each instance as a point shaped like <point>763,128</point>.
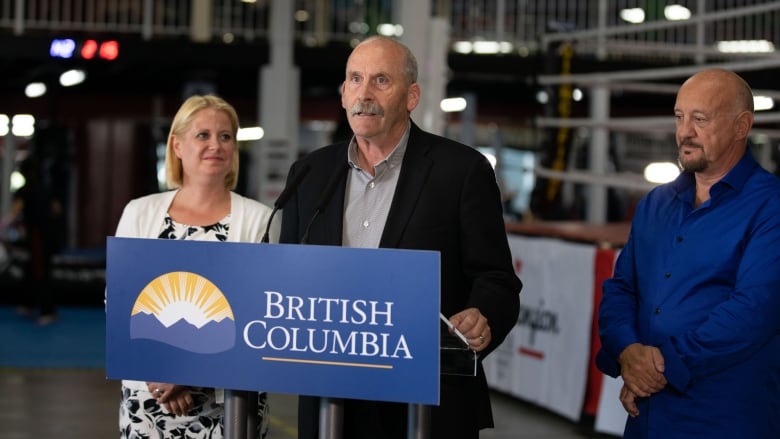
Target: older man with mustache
<point>690,320</point>
<point>406,188</point>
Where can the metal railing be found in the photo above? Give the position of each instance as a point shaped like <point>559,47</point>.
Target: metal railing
<point>527,25</point>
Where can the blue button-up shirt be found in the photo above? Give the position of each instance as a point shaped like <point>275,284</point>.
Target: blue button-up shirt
<point>702,284</point>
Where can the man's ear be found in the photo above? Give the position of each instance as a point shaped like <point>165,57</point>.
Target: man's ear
<point>413,98</point>
<point>343,102</point>
<point>743,123</point>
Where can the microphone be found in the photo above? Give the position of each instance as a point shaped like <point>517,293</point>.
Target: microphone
<point>284,196</point>
<point>327,194</point>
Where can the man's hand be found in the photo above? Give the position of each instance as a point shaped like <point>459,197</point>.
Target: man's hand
<point>642,369</point>
<point>628,399</point>
<point>474,326</point>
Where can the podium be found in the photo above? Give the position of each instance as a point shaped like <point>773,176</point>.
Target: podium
<point>284,318</point>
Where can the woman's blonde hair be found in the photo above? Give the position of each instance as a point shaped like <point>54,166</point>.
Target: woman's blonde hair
<point>180,124</point>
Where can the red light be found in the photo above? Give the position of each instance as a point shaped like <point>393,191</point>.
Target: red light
<point>88,49</point>
<point>109,50</point>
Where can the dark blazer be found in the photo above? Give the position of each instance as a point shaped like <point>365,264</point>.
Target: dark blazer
<point>447,199</point>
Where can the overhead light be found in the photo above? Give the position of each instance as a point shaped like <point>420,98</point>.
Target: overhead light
<point>492,47</point>
<point>301,15</point>
<point>577,95</point>
<point>20,125</point>
<point>451,105</point>
<point>4,124</point>
<point>746,46</point>
<point>677,13</point>
<point>72,77</point>
<point>35,90</point>
<point>633,15</point>
<point>661,172</point>
<point>390,30</point>
<point>762,103</point>
<point>358,27</point>
<point>250,133</point>
<point>17,181</point>
<point>463,47</point>
<point>23,125</point>
<point>483,47</point>
<point>542,97</point>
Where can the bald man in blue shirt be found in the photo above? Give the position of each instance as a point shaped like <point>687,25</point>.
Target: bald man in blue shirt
<point>691,318</point>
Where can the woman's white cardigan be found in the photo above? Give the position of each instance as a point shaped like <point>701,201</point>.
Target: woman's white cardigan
<point>143,218</point>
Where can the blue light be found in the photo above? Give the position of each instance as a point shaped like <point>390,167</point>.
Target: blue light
<point>62,48</point>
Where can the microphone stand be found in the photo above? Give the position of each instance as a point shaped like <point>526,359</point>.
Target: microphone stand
<point>235,419</point>
<point>240,418</point>
<point>418,420</point>
<point>284,196</point>
<point>331,410</point>
<point>325,197</point>
<point>331,420</point>
<point>268,225</point>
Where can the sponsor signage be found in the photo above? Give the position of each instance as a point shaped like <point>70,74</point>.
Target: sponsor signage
<point>300,319</point>
<point>544,359</point>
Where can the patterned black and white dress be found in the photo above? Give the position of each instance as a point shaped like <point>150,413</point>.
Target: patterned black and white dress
<point>140,417</point>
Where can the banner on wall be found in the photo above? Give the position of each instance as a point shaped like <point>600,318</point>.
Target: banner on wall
<point>310,320</point>
<point>545,358</point>
<point>611,416</point>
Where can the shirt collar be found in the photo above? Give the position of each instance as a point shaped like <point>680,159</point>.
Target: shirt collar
<point>735,178</point>
<point>393,159</point>
<point>739,174</point>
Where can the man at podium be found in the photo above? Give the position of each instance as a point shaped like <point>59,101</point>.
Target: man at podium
<point>395,186</point>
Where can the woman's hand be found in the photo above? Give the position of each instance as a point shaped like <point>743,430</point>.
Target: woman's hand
<point>172,397</point>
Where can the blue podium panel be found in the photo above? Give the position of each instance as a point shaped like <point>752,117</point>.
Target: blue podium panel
<point>301,319</point>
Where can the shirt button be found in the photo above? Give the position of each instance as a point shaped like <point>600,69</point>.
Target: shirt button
<point>667,275</point>
<point>371,185</point>
<point>658,310</point>
<point>365,224</point>
<point>679,239</point>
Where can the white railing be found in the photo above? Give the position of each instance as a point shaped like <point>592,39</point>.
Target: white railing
<point>528,25</point>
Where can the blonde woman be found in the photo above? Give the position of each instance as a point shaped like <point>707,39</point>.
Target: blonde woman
<point>201,165</point>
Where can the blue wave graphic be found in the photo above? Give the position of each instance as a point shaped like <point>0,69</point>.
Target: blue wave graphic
<point>212,338</point>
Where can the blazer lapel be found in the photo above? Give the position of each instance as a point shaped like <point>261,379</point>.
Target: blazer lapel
<point>414,172</point>
<point>332,217</point>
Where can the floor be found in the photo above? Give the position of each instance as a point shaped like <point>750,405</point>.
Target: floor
<point>82,404</point>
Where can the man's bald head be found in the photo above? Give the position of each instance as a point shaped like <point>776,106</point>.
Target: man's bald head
<point>731,86</point>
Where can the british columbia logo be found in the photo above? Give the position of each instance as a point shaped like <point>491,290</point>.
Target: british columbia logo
<point>184,310</point>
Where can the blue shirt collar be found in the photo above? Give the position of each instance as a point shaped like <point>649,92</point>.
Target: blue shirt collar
<point>735,178</point>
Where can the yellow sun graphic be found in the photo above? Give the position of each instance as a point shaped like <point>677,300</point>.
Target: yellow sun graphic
<point>182,294</point>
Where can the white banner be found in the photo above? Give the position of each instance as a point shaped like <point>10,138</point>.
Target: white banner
<point>611,417</point>
<point>544,359</point>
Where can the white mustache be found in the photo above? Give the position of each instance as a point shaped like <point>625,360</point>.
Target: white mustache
<point>366,107</point>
